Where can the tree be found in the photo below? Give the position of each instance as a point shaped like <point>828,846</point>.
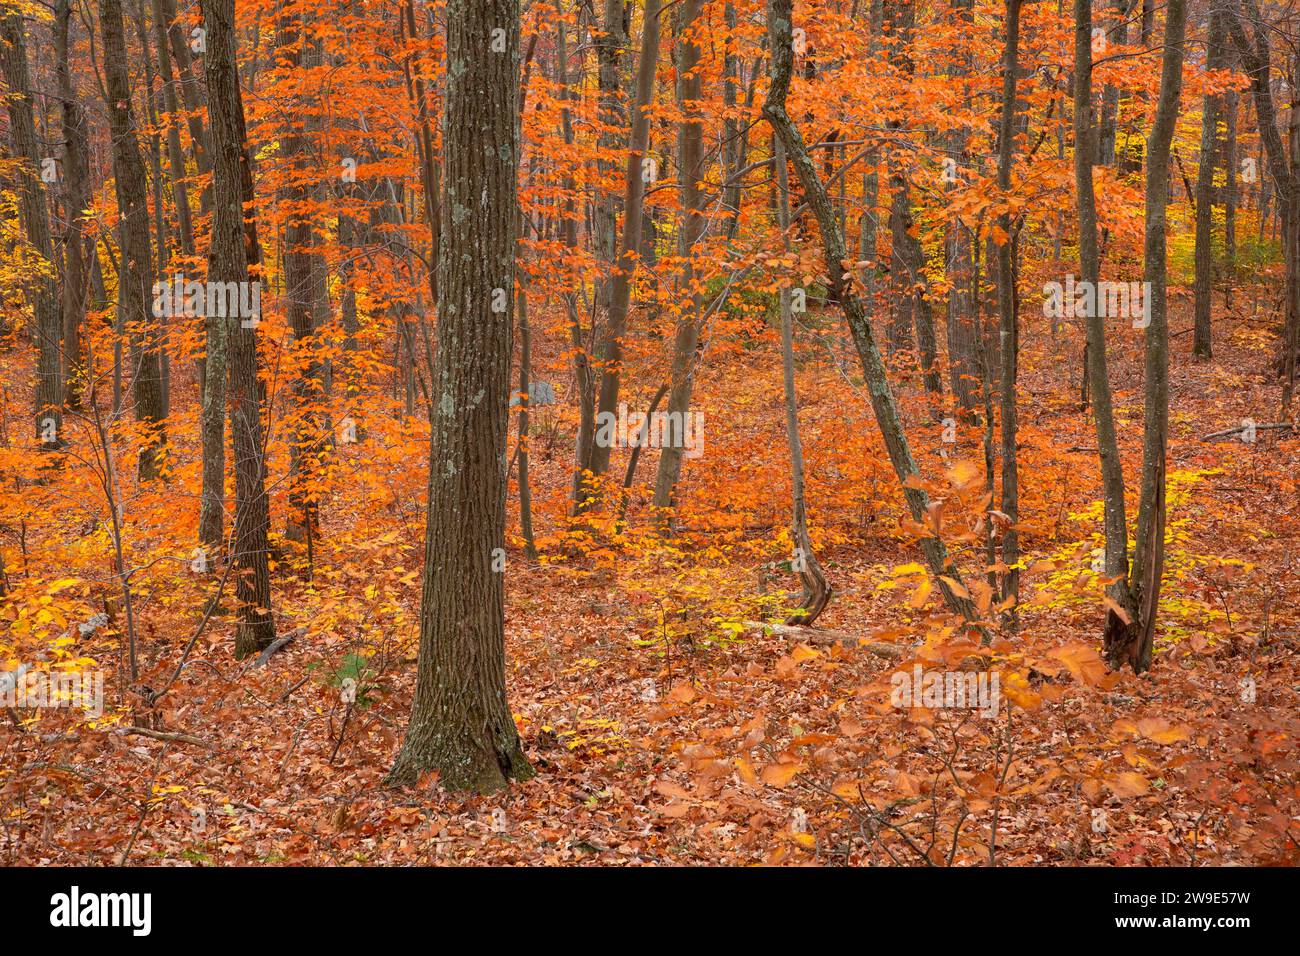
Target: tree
<point>835,257</point>
<point>1121,607</point>
<point>47,329</point>
<point>461,725</point>
<point>1008,320</point>
<point>136,265</point>
<point>690,161</point>
<point>77,193</point>
<point>1204,281</point>
<point>234,256</point>
<point>640,172</point>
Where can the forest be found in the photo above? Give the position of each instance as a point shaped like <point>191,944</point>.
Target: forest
<point>649,432</point>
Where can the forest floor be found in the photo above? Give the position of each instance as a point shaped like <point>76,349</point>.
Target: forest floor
<point>665,729</point>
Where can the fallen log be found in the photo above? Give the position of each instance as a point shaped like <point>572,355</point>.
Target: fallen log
<point>823,637</point>
<point>1234,432</point>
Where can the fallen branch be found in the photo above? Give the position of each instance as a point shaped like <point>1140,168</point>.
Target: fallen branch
<point>165,735</point>
<point>1233,432</point>
<point>826,636</point>
<point>275,645</point>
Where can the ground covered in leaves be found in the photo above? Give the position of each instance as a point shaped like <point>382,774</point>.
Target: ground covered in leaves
<point>664,725</point>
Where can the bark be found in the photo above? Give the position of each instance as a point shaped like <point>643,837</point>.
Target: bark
<point>690,159</point>
<point>963,371</point>
<point>77,196</point>
<point>236,257</point>
<point>1204,278</point>
<point>1255,56</point>
<point>584,379</point>
<point>298,196</point>
<point>175,153</point>
<point>1118,34</point>
<point>135,281</point>
<point>1115,521</point>
<point>1149,547</point>
<point>834,255</point>
<point>816,591</point>
<point>47,330</point>
<point>1008,321</point>
<point>610,46</point>
<point>610,352</point>
<point>461,725</point>
<point>193,96</point>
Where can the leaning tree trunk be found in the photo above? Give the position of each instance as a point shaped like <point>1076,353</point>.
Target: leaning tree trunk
<point>234,253</point>
<point>461,725</point>
<point>835,255</point>
<point>47,329</point>
<point>134,278</point>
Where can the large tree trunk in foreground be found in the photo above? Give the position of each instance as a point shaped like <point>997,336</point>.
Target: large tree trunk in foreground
<point>461,725</point>
<point>835,255</point>
<point>46,329</point>
<point>134,280</point>
<point>234,256</point>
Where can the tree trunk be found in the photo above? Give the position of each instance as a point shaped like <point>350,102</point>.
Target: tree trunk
<point>1008,321</point>
<point>47,327</point>
<point>461,724</point>
<point>816,590</point>
<point>77,195</point>
<point>1149,546</point>
<point>1255,56</point>
<point>610,46</point>
<point>299,194</point>
<point>834,255</point>
<point>690,150</point>
<point>175,154</point>
<point>235,257</point>
<point>192,95</point>
<point>610,353</point>
<point>1115,521</point>
<point>583,377</point>
<point>1204,280</point>
<point>135,265</point>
